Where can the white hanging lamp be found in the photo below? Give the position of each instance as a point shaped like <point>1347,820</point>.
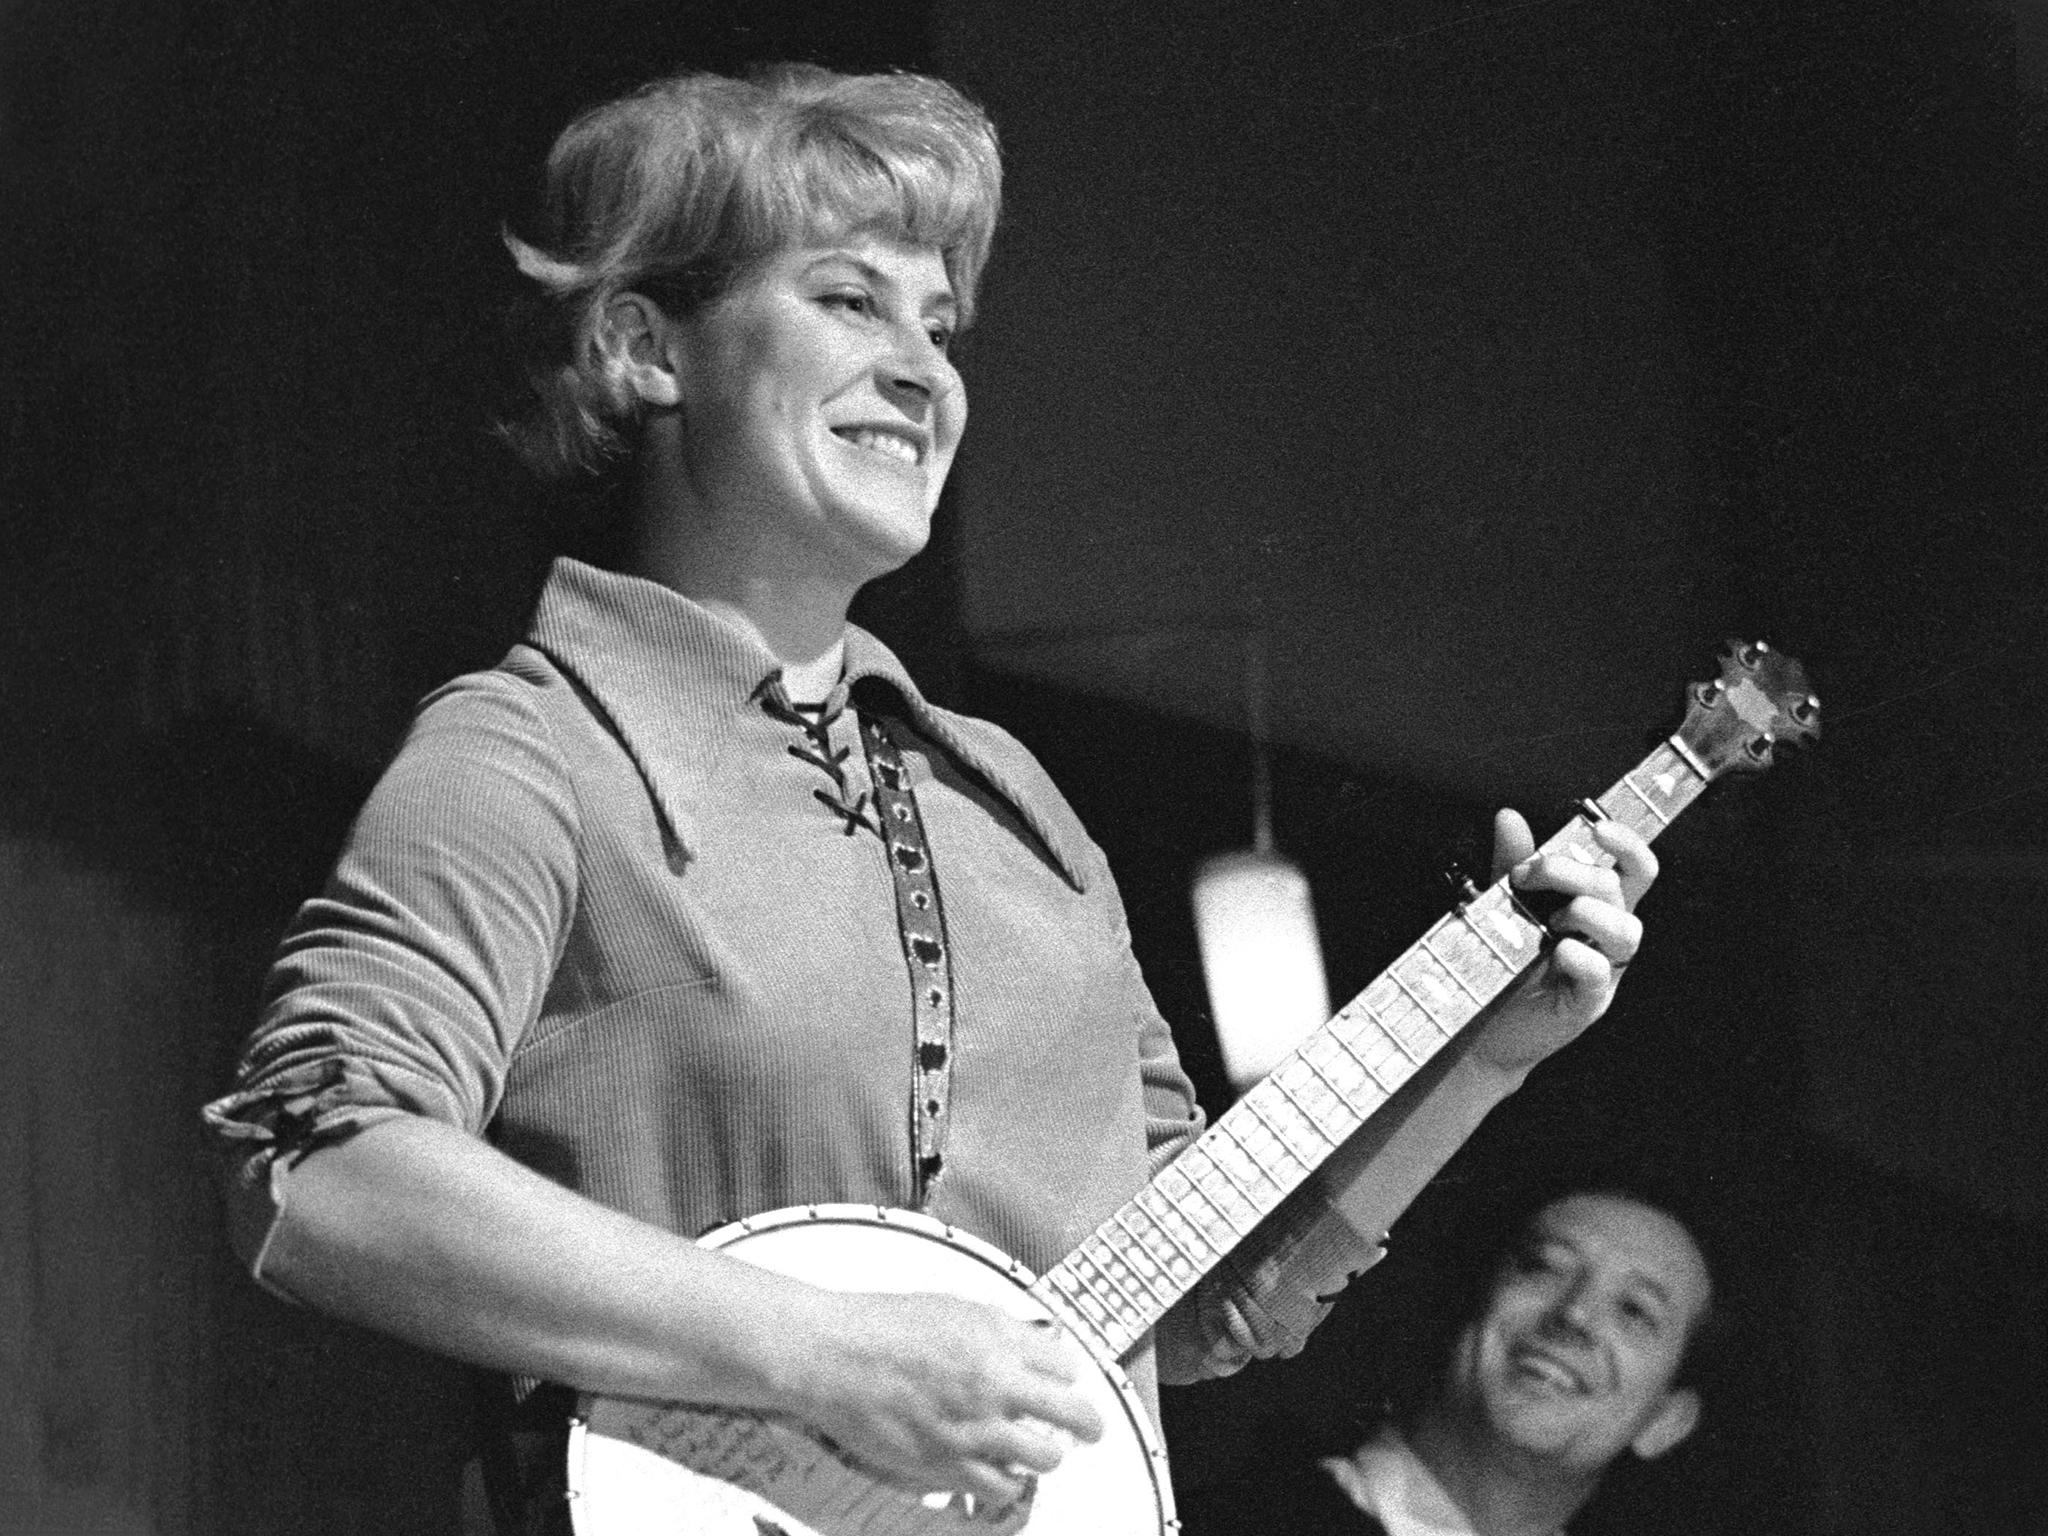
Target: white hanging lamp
<point>1256,926</point>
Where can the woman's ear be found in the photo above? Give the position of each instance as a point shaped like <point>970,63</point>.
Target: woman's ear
<point>634,337</point>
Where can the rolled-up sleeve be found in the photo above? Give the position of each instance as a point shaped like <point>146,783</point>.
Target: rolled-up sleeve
<point>1270,1292</point>
<point>404,987</point>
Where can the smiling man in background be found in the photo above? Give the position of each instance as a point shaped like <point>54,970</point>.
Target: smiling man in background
<point>1573,1362</point>
<point>1574,1359</point>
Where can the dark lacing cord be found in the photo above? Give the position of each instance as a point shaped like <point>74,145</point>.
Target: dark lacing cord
<point>920,919</point>
<point>816,721</point>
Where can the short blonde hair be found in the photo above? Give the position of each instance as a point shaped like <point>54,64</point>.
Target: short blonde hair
<point>677,189</point>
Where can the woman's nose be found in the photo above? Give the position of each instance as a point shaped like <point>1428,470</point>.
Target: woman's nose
<point>916,368</point>
<point>908,389</point>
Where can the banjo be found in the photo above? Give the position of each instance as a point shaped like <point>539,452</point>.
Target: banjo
<point>638,1468</point>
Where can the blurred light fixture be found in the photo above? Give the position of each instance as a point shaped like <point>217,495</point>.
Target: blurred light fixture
<point>1256,926</point>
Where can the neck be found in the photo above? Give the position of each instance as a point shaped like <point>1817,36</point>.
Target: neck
<point>1501,1492</point>
<point>716,559</point>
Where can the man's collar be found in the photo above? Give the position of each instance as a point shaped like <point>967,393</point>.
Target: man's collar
<point>673,678</point>
<point>1385,1478</point>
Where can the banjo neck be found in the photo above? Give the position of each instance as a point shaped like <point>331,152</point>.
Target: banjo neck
<point>1125,1276</point>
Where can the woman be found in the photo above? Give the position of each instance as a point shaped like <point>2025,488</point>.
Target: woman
<point>618,950</point>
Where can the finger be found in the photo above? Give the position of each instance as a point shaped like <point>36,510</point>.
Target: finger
<point>1024,1445</point>
<point>1058,1406</point>
<point>1569,877</point>
<point>1614,933</point>
<point>1634,863</point>
<point>1576,967</point>
<point>1050,1351</point>
<point>1512,841</point>
<point>996,1488</point>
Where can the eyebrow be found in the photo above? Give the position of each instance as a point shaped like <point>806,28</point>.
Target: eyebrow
<point>938,299</point>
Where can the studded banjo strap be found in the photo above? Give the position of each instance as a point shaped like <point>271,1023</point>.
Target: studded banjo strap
<point>923,925</point>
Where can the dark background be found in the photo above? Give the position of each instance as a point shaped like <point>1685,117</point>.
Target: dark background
<point>1496,362</point>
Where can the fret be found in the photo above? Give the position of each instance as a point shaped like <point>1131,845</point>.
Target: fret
<point>1078,1301</point>
<point>1260,1160</point>
<point>1130,1311</point>
<point>1675,779</point>
<point>1648,804</point>
<point>1612,806</point>
<point>1466,952</point>
<point>1222,1217</point>
<point>1452,971</point>
<point>1182,1260</point>
<point>1441,998</point>
<point>1464,915</point>
<point>1310,1099</point>
<point>1208,1161</point>
<point>1277,1078</point>
<point>1346,1116</point>
<point>1399,1040</point>
<point>1147,1276</point>
<point>1225,1134</point>
<point>1575,839</point>
<point>1107,1314</point>
<point>1088,1304</point>
<point>1363,1094</point>
<point>1364,1066</point>
<point>1138,1243</point>
<point>1338,1072</point>
<point>1307,1058</point>
<point>1382,1059</point>
<point>1173,1209</point>
<point>1416,998</point>
<point>1255,1109</point>
<point>1689,757</point>
<point>1107,1280</point>
<point>1505,917</point>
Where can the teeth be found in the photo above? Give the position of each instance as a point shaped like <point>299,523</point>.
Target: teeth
<point>1545,1369</point>
<point>885,443</point>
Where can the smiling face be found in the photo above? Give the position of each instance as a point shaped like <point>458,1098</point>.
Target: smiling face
<point>819,409</point>
<point>1573,1360</point>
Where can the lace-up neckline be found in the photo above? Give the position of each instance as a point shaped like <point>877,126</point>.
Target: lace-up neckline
<point>815,721</point>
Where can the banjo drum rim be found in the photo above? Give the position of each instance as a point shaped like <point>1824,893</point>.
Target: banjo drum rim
<point>914,1223</point>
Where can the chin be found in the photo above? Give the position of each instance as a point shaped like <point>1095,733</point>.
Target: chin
<point>1537,1429</point>
<point>888,543</point>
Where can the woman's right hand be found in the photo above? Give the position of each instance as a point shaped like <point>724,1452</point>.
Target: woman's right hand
<point>929,1391</point>
<point>936,1393</point>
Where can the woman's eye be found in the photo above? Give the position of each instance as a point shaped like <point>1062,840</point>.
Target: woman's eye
<point>942,337</point>
<point>853,303</point>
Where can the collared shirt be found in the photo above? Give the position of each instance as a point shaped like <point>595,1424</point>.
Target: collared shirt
<point>1385,1478</point>
<point>596,911</point>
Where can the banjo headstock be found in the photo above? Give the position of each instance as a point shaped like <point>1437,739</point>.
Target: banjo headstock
<point>1760,699</point>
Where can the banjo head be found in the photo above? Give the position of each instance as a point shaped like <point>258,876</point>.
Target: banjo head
<point>642,1468</point>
